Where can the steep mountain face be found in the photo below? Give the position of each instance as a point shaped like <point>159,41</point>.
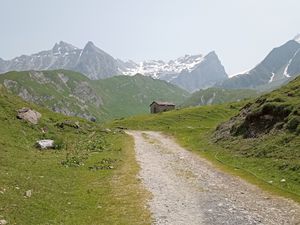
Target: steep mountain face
<point>96,63</point>
<point>91,61</point>
<point>212,96</point>
<point>278,67</point>
<point>73,94</point>
<point>204,75</point>
<point>191,72</point>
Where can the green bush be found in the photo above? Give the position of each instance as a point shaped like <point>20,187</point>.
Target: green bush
<point>73,160</point>
<point>293,123</point>
<point>58,143</point>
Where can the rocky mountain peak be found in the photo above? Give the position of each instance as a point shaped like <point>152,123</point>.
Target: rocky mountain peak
<point>90,45</point>
<point>63,47</point>
<point>212,54</point>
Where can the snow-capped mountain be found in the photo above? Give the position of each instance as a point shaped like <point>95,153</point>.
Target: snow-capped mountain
<point>190,72</point>
<point>204,74</point>
<point>159,68</point>
<point>91,61</point>
<point>279,66</point>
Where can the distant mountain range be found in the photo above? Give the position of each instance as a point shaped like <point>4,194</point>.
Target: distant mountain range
<point>280,65</point>
<point>191,72</point>
<point>91,61</point>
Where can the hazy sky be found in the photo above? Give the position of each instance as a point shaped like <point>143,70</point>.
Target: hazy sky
<point>242,32</point>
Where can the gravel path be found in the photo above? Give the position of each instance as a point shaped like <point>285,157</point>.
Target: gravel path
<point>187,189</point>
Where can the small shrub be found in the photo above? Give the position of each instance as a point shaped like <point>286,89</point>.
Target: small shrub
<point>104,164</point>
<point>277,99</point>
<point>73,161</point>
<point>58,143</point>
<point>293,123</point>
<point>97,144</point>
<point>283,166</point>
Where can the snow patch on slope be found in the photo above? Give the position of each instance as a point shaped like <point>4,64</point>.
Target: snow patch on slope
<point>240,73</point>
<point>272,78</point>
<point>285,73</point>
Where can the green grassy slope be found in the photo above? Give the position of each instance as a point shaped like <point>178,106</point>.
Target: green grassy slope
<point>89,179</point>
<point>212,96</point>
<point>73,94</point>
<point>125,96</point>
<point>271,159</point>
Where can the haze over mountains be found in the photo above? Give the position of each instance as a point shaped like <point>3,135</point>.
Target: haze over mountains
<point>190,72</point>
<point>91,61</point>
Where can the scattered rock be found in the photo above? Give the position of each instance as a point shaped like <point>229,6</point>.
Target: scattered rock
<point>68,123</point>
<point>3,222</point>
<point>29,115</point>
<point>28,193</point>
<point>93,119</point>
<point>45,144</point>
<point>44,130</point>
<point>122,128</point>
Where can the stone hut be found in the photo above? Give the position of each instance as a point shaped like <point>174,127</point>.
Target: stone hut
<point>157,107</point>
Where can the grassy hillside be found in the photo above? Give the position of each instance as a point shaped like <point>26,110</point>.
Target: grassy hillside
<point>73,94</point>
<point>125,95</point>
<point>270,159</point>
<point>90,178</point>
<point>212,96</point>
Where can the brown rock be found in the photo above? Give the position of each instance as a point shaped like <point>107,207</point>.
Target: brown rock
<point>29,115</point>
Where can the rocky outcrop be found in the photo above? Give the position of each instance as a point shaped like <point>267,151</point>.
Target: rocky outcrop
<point>29,115</point>
<point>277,110</point>
<point>86,94</point>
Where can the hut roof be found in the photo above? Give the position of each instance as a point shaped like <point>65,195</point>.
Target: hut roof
<point>162,103</point>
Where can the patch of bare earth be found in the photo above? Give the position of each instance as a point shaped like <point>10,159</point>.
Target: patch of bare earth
<point>187,189</point>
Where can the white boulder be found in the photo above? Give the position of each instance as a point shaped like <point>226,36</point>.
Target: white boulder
<point>45,144</point>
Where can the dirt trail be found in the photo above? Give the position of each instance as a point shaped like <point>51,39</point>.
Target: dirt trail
<point>187,189</point>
